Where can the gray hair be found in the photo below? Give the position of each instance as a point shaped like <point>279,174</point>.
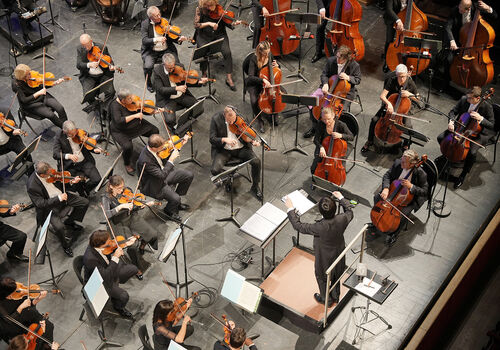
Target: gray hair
<point>123,94</point>
<point>168,58</point>
<point>401,69</point>
<point>42,167</point>
<point>151,9</point>
<point>411,155</point>
<point>68,125</point>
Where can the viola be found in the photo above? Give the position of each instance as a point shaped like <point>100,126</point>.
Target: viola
<point>5,206</point>
<point>386,214</point>
<point>63,176</point>
<point>180,74</point>
<point>180,307</point>
<point>226,16</point>
<point>415,23</point>
<point>9,125</point>
<point>270,98</point>
<point>241,129</point>
<point>36,79</point>
<point>96,55</point>
<point>456,148</point>
<point>348,12</point>
<point>173,32</point>
<point>277,30</point>
<point>174,142</point>
<point>472,65</point>
<point>331,167</point>
<point>111,246</point>
<point>82,138</point>
<point>22,291</point>
<point>148,107</point>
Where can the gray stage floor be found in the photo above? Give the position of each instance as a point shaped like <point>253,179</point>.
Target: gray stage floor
<point>419,261</point>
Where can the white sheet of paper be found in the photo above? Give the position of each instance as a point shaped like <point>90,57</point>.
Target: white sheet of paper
<point>371,290</point>
<point>258,227</point>
<point>95,292</point>
<point>249,297</point>
<point>300,202</point>
<point>272,213</point>
<point>232,286</point>
<point>174,346</point>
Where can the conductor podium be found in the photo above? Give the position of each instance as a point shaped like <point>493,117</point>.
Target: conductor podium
<point>39,34</point>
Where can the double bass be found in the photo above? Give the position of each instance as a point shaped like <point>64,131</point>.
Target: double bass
<point>277,30</point>
<point>472,65</point>
<point>349,12</point>
<point>415,24</point>
<point>270,98</point>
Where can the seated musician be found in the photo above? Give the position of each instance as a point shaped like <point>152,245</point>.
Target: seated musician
<point>12,234</point>
<point>155,45</point>
<point>19,342</point>
<point>329,125</point>
<point>112,269</point>
<point>173,96</point>
<point>259,12</point>
<point>36,100</point>
<point>323,7</point>
<point>77,159</point>
<point>328,241</point>
<point>484,115</point>
<point>207,30</point>
<point>23,311</point>
<point>127,125</point>
<point>334,66</point>
<point>48,196</point>
<point>165,331</point>
<point>226,145</point>
<point>161,176</point>
<point>393,84</point>
<point>237,340</point>
<point>417,184</point>
<point>91,73</point>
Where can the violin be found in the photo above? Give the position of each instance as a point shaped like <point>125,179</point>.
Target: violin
<point>33,332</point>
<point>241,129</point>
<point>148,107</point>
<point>34,291</point>
<point>386,214</point>
<point>472,65</point>
<point>225,326</point>
<point>277,30</point>
<point>270,98</point>
<point>96,55</point>
<point>65,176</point>
<point>180,74</point>
<point>5,206</point>
<point>331,167</point>
<point>173,32</point>
<point>226,16</point>
<point>9,125</point>
<point>111,246</point>
<point>174,142</point>
<point>454,147</point>
<point>349,12</point>
<point>36,79</point>
<point>180,307</point>
<point>82,138</point>
<point>127,196</point>
<point>415,24</point>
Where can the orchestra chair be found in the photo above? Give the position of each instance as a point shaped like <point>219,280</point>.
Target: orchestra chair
<point>23,118</point>
<point>144,337</point>
<point>494,139</point>
<point>352,123</point>
<point>358,99</point>
<point>245,67</point>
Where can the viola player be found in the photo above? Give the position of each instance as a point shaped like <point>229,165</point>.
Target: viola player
<point>237,340</point>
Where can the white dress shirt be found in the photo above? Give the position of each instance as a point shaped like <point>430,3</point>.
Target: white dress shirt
<point>52,190</point>
<point>232,136</point>
<point>158,46</point>
<point>4,138</point>
<point>75,147</point>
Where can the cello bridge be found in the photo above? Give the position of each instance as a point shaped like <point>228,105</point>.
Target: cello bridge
<point>468,58</point>
<point>336,31</point>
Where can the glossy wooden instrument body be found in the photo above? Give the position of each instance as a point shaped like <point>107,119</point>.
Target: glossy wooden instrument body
<point>31,338</point>
<point>385,130</point>
<point>180,74</point>
<point>136,102</point>
<point>349,12</point>
<point>472,65</point>
<point>82,137</point>
<point>22,291</point>
<point>55,176</point>
<point>244,131</point>
<point>180,308</point>
<point>5,206</point>
<point>96,55</point>
<point>414,21</point>
<point>277,30</point>
<point>174,142</point>
<point>225,16</point>
<point>270,98</point>
<point>337,87</point>
<point>111,246</point>
<point>36,79</point>
<point>332,170</point>
<point>9,125</point>
<point>109,3</point>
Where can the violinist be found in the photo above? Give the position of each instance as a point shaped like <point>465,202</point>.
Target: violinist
<point>17,237</point>
<point>161,176</point>
<point>484,115</point>
<point>19,342</point>
<point>49,196</point>
<point>165,330</point>
<point>208,30</point>
<point>329,125</point>
<point>78,160</point>
<point>343,65</point>
<point>393,84</point>
<point>237,339</point>
<point>22,310</point>
<point>155,45</point>
<point>91,72</point>
<point>127,125</point>
<point>171,95</point>
<point>36,100</point>
<point>112,269</point>
<point>10,138</point>
<point>226,145</point>
<point>416,184</point>
<point>324,11</point>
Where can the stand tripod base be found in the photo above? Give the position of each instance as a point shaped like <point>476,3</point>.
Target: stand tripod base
<point>231,218</point>
<point>191,159</point>
<point>364,320</point>
<point>210,96</point>
<point>178,285</point>
<point>106,343</point>
<point>296,148</point>
<point>299,75</point>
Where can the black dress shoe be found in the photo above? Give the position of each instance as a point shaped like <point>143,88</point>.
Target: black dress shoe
<point>309,133</point>
<point>390,240</point>
<point>459,182</point>
<point>366,146</point>
<point>150,89</point>
<point>139,276</point>
<point>317,56</point>
<point>124,312</point>
<point>256,192</point>
<point>68,251</point>
<point>27,40</point>
<point>173,216</point>
<point>183,206</point>
<point>232,87</point>
<point>321,300</point>
<point>385,69</point>
<point>18,257</point>
<point>74,225</point>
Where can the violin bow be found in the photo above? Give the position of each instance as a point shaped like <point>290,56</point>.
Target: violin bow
<point>172,293</point>
<point>104,45</point>
<point>62,172</point>
<point>143,95</point>
<point>170,19</point>
<point>90,126</point>
<point>221,322</point>
<point>109,225</point>
<point>137,187</point>
<point>249,126</point>
<point>189,67</point>
<point>19,324</point>
<point>29,274</point>
<point>43,75</point>
<point>10,106</point>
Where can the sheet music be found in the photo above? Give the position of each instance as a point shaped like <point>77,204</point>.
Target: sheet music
<point>300,202</point>
<point>250,297</point>
<point>174,346</point>
<point>263,223</point>
<point>371,290</point>
<point>237,290</point>
<point>232,286</point>
<point>272,213</point>
<point>95,292</point>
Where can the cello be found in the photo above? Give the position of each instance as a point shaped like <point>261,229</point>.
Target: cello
<point>277,30</point>
<point>349,12</point>
<point>472,65</point>
<point>415,24</point>
<point>270,98</point>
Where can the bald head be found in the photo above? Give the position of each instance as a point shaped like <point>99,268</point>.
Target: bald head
<point>86,41</point>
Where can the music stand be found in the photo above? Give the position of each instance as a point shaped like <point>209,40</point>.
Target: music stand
<point>189,124</point>
<point>107,174</point>
<point>413,135</point>
<point>228,175</point>
<point>174,346</point>
<point>169,249</point>
<point>206,53</point>
<point>299,100</point>
<point>42,251</point>
<point>52,20</point>
<point>309,18</point>
<point>12,51</point>
<point>21,159</point>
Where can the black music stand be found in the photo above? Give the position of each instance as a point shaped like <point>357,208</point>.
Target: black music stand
<point>413,136</point>
<point>309,18</point>
<point>439,205</point>
<point>21,159</point>
<point>299,100</point>
<point>228,176</point>
<point>206,53</point>
<point>189,125</point>
<point>263,143</point>
<point>52,20</point>
<point>12,51</point>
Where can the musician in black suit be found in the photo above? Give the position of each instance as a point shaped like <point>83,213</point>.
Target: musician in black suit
<point>37,100</point>
<point>416,184</point>
<point>237,339</point>
<point>324,11</point>
<point>161,177</point>
<point>111,268</point>
<point>486,118</point>
<point>155,45</point>
<point>11,141</point>
<point>173,96</point>
<point>226,145</point>
<point>343,65</point>
<point>49,197</point>
<point>12,234</point>
<point>259,12</point>
<point>91,73</point>
<point>77,159</point>
<point>328,241</point>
